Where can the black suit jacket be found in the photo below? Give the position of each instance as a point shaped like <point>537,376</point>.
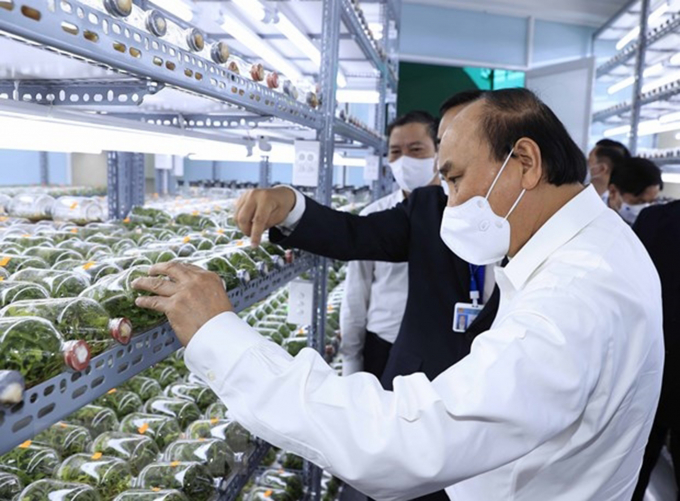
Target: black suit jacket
<point>437,278</point>
<point>659,229</point>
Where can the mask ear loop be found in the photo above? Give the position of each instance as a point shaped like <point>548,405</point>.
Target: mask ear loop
<point>516,203</point>
<point>499,173</point>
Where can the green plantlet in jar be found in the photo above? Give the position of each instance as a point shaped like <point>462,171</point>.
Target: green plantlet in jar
<point>59,284</point>
<point>127,262</point>
<point>202,396</point>
<point>265,262</point>
<point>148,216</point>
<point>13,263</point>
<point>95,418</point>
<point>195,221</point>
<point>66,439</point>
<point>35,349</point>
<point>216,411</point>
<point>240,260</point>
<point>217,264</point>
<point>52,255</point>
<point>193,479</point>
<point>116,295</point>
<point>163,429</point>
<point>163,373</point>
<point>211,453</point>
<point>281,479</point>
<point>291,461</point>
<point>183,410</point>
<point>120,401</point>
<point>152,495</point>
<point>294,345</point>
<point>138,450</point>
<point>10,486</point>
<point>11,292</point>
<point>145,387</point>
<point>267,494</point>
<point>109,475</point>
<point>269,458</point>
<point>30,462</point>
<point>56,490</point>
<point>236,436</point>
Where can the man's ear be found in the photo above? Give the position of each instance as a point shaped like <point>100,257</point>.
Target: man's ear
<point>529,154</point>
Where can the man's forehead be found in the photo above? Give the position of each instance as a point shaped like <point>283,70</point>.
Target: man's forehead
<point>463,123</point>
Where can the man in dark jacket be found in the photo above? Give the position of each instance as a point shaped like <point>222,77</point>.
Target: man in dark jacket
<point>659,229</point>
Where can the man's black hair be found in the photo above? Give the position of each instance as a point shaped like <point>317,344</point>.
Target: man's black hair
<point>416,117</point>
<point>511,114</point>
<point>634,175</point>
<point>607,145</point>
<point>459,99</point>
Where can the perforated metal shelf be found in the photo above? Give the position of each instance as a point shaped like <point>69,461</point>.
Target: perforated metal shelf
<point>79,31</point>
<point>355,133</point>
<point>55,399</point>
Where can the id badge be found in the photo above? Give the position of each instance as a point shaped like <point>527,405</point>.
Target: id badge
<point>464,314</point>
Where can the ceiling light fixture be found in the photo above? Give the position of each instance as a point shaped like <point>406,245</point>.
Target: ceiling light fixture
<point>357,96</point>
<point>635,32</point>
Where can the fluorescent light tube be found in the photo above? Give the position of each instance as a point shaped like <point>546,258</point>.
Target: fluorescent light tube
<point>261,48</point>
<point>670,177</point>
<point>617,131</point>
<point>176,7</point>
<point>633,34</point>
<point>358,96</point>
<point>671,117</point>
<point>671,77</point>
<point>619,86</point>
<point>253,8</point>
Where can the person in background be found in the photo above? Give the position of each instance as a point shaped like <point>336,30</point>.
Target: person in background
<point>634,185</point>
<point>602,160</point>
<point>659,230</point>
<point>554,402</point>
<point>375,292</point>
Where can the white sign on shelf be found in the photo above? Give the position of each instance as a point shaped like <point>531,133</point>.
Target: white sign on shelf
<point>300,294</point>
<point>178,166</point>
<point>306,166</point>
<point>164,162</point>
<point>372,169</point>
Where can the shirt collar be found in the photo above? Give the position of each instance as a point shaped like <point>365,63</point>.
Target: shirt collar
<point>578,213</point>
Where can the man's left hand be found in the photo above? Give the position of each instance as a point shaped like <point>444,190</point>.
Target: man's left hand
<point>189,296</point>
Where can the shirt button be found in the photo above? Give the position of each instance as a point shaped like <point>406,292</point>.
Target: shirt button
<point>211,376</point>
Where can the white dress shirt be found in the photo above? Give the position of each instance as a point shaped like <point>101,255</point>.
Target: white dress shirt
<point>374,299</point>
<point>555,402</point>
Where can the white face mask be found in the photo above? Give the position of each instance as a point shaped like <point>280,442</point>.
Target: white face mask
<point>630,213</point>
<point>474,232</point>
<point>412,173</point>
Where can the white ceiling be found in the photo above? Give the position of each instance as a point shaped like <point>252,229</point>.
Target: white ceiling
<point>586,12</point>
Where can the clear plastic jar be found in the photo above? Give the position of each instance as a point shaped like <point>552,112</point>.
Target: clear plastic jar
<point>288,481</point>
<point>202,396</point>
<point>116,295</point>
<point>12,386</point>
<point>211,453</point>
<point>193,479</point>
<point>85,249</point>
<point>78,210</point>
<point>294,345</point>
<point>232,277</point>
<point>66,439</point>
<point>240,260</point>
<point>145,387</point>
<point>95,418</point>
<point>10,485</point>
<point>31,207</point>
<point>163,429</point>
<point>152,495</point>
<point>76,318</point>
<point>56,490</point>
<point>30,462</point>
<point>148,216</point>
<point>120,401</point>
<point>25,241</point>
<point>52,255</point>
<point>196,221</point>
<point>216,411</point>
<point>138,450</point>
<point>34,348</point>
<point>109,475</point>
<point>184,411</point>
<point>60,284</point>
<point>267,494</point>
<point>164,374</point>
<point>13,263</point>
<point>266,263</point>
<point>154,255</point>
<point>236,436</point>
<point>126,262</point>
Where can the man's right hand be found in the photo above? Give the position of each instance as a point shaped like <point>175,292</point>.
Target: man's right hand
<point>259,210</point>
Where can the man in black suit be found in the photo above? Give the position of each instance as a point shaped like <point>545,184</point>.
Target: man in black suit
<point>438,279</point>
<point>659,229</point>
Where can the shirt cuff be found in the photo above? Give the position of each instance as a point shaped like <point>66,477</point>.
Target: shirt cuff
<point>294,216</point>
<point>352,366</point>
<point>218,345</point>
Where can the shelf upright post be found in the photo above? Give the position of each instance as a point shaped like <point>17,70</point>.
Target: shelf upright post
<point>330,47</point>
<point>126,182</point>
<point>639,72</point>
<point>380,185</point>
<point>265,172</point>
<point>44,168</point>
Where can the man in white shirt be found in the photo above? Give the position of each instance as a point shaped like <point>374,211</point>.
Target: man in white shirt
<point>376,291</point>
<point>555,402</point>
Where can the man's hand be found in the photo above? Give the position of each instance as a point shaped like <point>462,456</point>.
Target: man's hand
<point>259,210</point>
<point>190,297</point>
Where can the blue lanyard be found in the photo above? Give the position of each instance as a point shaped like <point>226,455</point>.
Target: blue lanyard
<point>477,274</point>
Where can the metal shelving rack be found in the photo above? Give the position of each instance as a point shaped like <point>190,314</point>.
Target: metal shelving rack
<point>150,64</point>
<point>652,30</point>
